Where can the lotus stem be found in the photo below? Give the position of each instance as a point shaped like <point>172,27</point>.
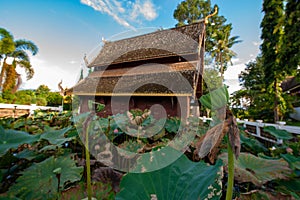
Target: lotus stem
<point>230,179</point>
<point>88,165</point>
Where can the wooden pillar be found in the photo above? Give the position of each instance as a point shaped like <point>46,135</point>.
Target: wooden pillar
<point>84,106</point>
<point>183,107</point>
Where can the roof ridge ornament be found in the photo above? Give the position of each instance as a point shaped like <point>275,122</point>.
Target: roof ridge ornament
<point>103,40</point>
<point>210,15</point>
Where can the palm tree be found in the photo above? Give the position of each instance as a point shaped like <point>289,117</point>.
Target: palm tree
<point>222,52</point>
<point>7,46</point>
<point>17,50</point>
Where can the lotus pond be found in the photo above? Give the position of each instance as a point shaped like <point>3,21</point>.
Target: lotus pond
<point>43,156</point>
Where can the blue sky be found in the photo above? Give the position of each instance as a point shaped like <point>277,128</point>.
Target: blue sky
<point>66,30</point>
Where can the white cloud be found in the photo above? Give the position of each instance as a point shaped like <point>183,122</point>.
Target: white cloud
<point>255,43</point>
<point>231,77</point>
<point>233,71</point>
<point>235,61</point>
<point>73,62</point>
<point>146,9</point>
<point>119,13</point>
<point>48,74</point>
<point>110,8</point>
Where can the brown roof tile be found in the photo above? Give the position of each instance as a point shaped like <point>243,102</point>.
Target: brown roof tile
<point>146,69</point>
<point>162,43</point>
<point>164,82</point>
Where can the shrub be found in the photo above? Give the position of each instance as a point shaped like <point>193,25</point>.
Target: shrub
<point>41,101</point>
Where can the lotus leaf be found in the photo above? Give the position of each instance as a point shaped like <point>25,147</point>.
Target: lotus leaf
<point>183,179</point>
<point>57,137</point>
<point>291,187</point>
<point>172,125</point>
<point>253,144</point>
<point>9,198</point>
<point>292,160</point>
<point>263,195</point>
<point>12,139</point>
<point>40,180</point>
<point>215,99</point>
<point>156,159</point>
<point>249,168</point>
<point>279,134</point>
<point>27,154</point>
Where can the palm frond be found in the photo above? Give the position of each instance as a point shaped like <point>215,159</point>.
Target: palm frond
<point>6,42</point>
<point>28,68</point>
<point>5,33</point>
<point>20,54</point>
<point>26,45</point>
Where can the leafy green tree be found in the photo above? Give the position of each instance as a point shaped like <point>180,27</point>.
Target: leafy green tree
<point>190,11</point>
<point>218,41</point>
<point>212,79</point>
<point>6,43</point>
<point>272,31</point>
<point>42,90</point>
<point>290,54</point>
<point>255,97</point>
<point>25,97</point>
<point>8,97</point>
<point>41,101</point>
<point>240,101</point>
<point>17,50</point>
<point>81,75</point>
<point>254,92</point>
<point>54,99</point>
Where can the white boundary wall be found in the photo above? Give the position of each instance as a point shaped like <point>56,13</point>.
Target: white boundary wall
<point>31,107</point>
<point>259,124</point>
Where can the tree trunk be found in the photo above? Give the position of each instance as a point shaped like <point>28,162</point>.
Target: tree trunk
<point>3,69</point>
<point>276,115</point>
<point>10,78</point>
<point>221,68</point>
<point>17,86</point>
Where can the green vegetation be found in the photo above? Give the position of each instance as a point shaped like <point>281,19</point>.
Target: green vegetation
<point>262,96</point>
<point>42,96</point>
<point>52,155</point>
<point>10,80</point>
<point>42,157</point>
<point>218,34</point>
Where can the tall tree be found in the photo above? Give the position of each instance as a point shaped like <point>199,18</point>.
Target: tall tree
<point>290,54</point>
<point>222,52</point>
<point>254,91</point>
<point>17,50</point>
<point>7,46</point>
<point>218,41</point>
<point>42,90</point>
<point>272,32</point>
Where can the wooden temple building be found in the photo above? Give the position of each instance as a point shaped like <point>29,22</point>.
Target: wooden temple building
<point>163,68</point>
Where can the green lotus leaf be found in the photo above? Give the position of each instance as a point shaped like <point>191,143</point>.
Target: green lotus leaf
<point>183,179</point>
<point>252,144</point>
<point>57,137</point>
<point>279,134</point>
<point>12,139</point>
<point>291,187</point>
<point>215,99</point>
<point>172,125</point>
<point>292,160</point>
<point>40,180</point>
<point>27,154</point>
<point>19,123</point>
<point>249,168</point>
<point>9,198</point>
<point>157,159</point>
